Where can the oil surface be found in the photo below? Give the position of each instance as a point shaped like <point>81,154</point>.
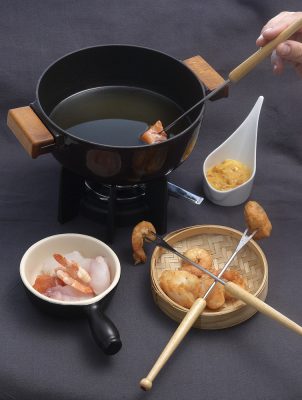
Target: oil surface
<point>115,115</point>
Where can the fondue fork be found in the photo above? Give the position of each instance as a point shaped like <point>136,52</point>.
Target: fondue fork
<point>199,305</point>
<point>244,68</point>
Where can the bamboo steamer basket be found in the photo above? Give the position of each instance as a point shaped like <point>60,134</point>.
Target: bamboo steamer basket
<point>220,241</point>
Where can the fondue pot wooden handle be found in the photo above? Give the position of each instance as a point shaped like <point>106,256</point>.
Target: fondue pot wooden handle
<point>29,130</point>
<point>261,306</point>
<point>183,328</point>
<point>246,66</point>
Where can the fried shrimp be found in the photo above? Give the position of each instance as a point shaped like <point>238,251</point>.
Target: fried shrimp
<point>141,231</point>
<point>155,134</point>
<point>257,220</point>
<point>181,286</point>
<point>216,297</point>
<point>199,256</point>
<point>236,277</point>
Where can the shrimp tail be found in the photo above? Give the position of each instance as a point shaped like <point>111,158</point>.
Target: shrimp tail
<point>139,256</point>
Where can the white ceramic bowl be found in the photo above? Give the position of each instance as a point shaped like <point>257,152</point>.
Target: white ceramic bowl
<point>240,146</point>
<point>103,330</point>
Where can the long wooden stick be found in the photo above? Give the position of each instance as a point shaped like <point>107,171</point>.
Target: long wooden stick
<point>250,63</point>
<point>261,306</point>
<point>183,328</point>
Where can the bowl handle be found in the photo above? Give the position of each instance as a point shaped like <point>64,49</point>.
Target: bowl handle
<point>207,75</point>
<point>103,330</point>
<point>30,131</point>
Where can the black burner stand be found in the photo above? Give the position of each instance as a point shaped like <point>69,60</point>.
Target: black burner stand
<point>73,196</point>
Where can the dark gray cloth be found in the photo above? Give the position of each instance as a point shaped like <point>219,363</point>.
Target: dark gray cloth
<point>45,357</point>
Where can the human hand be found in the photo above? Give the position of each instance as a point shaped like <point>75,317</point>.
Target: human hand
<point>288,51</point>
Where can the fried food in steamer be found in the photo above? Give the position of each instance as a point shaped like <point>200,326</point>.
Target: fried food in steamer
<point>199,256</point>
<point>216,298</point>
<point>181,286</point>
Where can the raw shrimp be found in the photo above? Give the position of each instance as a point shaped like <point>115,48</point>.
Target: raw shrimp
<point>100,275</point>
<point>77,257</point>
<point>155,134</point>
<point>199,256</point>
<point>216,297</point>
<point>66,293</point>
<point>72,268</point>
<point>45,281</point>
<point>69,280</point>
<point>181,286</point>
<point>141,231</point>
<point>235,276</point>
<point>257,220</point>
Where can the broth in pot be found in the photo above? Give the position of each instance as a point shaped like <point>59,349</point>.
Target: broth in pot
<point>116,115</point>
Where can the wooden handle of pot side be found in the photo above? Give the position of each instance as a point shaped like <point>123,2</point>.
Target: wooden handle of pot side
<point>183,328</point>
<point>249,64</point>
<point>29,130</point>
<point>259,305</point>
<point>207,75</point>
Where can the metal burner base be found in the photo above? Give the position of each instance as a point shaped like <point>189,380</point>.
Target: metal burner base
<point>113,205</point>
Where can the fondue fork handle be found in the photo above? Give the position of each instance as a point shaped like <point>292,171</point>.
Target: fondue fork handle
<point>250,63</point>
<point>183,328</point>
<point>261,306</point>
<point>181,193</point>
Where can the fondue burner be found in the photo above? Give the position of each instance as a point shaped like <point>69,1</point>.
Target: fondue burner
<point>113,205</point>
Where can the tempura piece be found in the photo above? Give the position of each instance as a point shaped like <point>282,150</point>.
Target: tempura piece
<point>141,231</point>
<point>181,286</point>
<point>155,134</point>
<point>199,256</point>
<point>216,298</point>
<point>234,276</point>
<point>257,220</point>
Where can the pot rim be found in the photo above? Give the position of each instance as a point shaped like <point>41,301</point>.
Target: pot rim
<point>52,124</point>
<point>87,302</point>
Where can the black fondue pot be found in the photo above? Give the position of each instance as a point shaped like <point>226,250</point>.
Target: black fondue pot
<point>114,66</point>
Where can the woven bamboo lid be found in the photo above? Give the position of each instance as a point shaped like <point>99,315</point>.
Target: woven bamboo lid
<point>220,241</point>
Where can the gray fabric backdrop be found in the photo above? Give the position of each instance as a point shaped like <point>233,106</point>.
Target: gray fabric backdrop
<point>43,357</point>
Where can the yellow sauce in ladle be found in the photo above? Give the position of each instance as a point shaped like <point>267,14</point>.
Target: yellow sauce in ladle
<point>228,174</point>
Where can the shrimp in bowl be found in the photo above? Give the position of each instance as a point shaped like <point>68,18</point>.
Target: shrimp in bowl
<point>82,287</point>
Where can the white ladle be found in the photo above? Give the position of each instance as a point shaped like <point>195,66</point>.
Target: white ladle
<point>240,146</point>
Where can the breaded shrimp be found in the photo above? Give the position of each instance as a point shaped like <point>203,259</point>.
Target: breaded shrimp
<point>155,134</point>
<point>216,298</point>
<point>141,231</point>
<point>181,286</point>
<point>236,277</point>
<point>257,219</point>
<point>199,256</point>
